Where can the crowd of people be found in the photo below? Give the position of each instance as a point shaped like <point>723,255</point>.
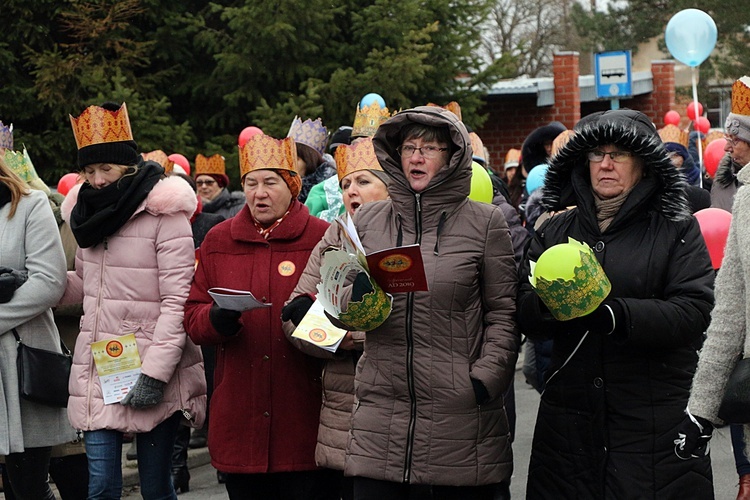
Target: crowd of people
<point>127,264</point>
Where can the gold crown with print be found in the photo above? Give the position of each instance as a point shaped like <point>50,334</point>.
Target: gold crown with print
<point>672,133</point>
<point>368,119</point>
<point>161,158</point>
<point>310,133</point>
<point>264,152</point>
<point>6,136</point>
<point>741,96</point>
<point>712,136</point>
<point>358,156</point>
<point>20,164</point>
<point>97,125</point>
<point>452,106</point>
<point>210,165</point>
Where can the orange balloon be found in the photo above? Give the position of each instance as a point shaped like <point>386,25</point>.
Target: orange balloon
<point>714,223</point>
<point>713,154</point>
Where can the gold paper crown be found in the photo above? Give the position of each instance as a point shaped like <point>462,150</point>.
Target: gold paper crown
<point>264,152</point>
<point>672,133</point>
<point>712,136</point>
<point>512,158</point>
<point>452,106</point>
<point>161,158</point>
<point>97,125</point>
<point>358,156</point>
<point>310,133</point>
<point>212,165</point>
<point>20,164</point>
<point>741,96</point>
<point>477,146</point>
<point>560,141</point>
<point>368,119</point>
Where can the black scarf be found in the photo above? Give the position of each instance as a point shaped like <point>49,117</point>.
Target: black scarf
<point>99,213</point>
<point>5,196</point>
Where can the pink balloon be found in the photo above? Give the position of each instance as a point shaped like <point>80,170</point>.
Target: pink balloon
<point>690,110</point>
<point>247,133</point>
<point>702,124</point>
<point>714,223</point>
<point>180,160</point>
<point>66,182</point>
<point>713,154</point>
<point>672,118</point>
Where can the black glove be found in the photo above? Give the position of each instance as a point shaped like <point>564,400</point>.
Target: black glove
<point>480,391</point>
<point>361,287</point>
<point>296,309</point>
<point>693,436</point>
<point>146,392</point>
<point>603,321</point>
<point>225,321</point>
<point>10,280</point>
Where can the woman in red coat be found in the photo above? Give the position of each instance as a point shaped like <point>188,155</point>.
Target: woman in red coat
<point>266,401</point>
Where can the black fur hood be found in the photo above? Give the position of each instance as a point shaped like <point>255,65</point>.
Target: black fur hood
<point>632,131</point>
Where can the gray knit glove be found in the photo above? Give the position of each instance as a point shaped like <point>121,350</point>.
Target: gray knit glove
<point>146,392</point>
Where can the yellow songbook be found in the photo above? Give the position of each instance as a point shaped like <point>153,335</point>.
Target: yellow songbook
<point>317,329</point>
<point>118,365</point>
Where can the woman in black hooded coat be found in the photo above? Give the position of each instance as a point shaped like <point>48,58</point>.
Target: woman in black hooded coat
<point>620,377</point>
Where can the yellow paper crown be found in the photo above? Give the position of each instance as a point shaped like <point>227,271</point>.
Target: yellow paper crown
<point>452,106</point>
<point>212,165</point>
<point>264,152</point>
<point>161,158</point>
<point>741,96</point>
<point>358,156</point>
<point>97,125</point>
<point>368,119</point>
<point>672,133</point>
<point>20,163</point>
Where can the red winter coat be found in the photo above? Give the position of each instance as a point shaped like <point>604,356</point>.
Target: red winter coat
<point>266,399</point>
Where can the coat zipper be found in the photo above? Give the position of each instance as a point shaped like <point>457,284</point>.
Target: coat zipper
<point>94,337</point>
<point>410,357</point>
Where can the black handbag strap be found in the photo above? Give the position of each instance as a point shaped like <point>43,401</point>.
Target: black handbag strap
<point>64,348</point>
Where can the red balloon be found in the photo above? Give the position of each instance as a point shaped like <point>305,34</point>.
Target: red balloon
<point>713,154</point>
<point>691,110</point>
<point>702,124</point>
<point>672,118</point>
<point>66,182</point>
<point>247,133</point>
<point>180,160</point>
<point>714,223</point>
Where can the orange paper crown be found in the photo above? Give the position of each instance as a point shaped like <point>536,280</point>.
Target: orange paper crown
<point>712,136</point>
<point>368,119</point>
<point>358,156</point>
<point>212,165</point>
<point>741,96</point>
<point>477,146</point>
<point>672,133</point>
<point>97,125</point>
<point>512,158</point>
<point>161,158</point>
<point>264,152</point>
<point>452,106</point>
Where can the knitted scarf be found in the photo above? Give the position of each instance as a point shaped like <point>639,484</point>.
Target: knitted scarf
<point>607,209</point>
<point>99,213</point>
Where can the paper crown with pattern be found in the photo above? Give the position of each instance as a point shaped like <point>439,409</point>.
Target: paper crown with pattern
<point>161,158</point>
<point>452,106</point>
<point>310,133</point>
<point>512,158</point>
<point>477,146</point>
<point>210,165</point>
<point>20,163</point>
<point>6,136</point>
<point>367,119</point>
<point>673,133</point>
<point>97,125</point>
<point>712,136</point>
<point>741,96</point>
<point>355,157</point>
<point>569,280</point>
<point>264,152</point>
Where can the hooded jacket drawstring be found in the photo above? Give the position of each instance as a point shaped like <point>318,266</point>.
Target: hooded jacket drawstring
<point>441,223</point>
<point>400,237</point>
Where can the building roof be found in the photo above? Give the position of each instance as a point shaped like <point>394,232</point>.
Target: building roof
<point>544,87</point>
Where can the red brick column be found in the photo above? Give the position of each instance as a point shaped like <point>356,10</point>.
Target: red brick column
<point>567,107</point>
<point>662,99</point>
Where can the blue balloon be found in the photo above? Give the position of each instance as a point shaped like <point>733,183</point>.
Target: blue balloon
<point>535,180</point>
<point>370,98</point>
<point>691,36</point>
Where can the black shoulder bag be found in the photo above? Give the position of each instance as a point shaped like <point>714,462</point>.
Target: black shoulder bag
<point>43,375</point>
<point>735,405</point>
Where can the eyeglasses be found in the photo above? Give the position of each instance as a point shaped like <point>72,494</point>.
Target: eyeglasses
<point>428,152</point>
<point>732,142</point>
<point>207,183</point>
<point>615,156</point>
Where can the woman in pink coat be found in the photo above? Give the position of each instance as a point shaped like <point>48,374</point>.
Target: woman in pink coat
<point>133,273</point>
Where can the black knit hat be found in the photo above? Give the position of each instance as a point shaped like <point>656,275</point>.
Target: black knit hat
<point>118,153</point>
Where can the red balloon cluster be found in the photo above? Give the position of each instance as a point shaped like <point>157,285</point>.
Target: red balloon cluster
<point>247,133</point>
<point>66,182</point>
<point>702,124</point>
<point>714,223</point>
<point>691,111</point>
<point>672,117</point>
<point>712,155</point>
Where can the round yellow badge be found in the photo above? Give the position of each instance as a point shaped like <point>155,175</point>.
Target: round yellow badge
<point>114,349</point>
<point>287,268</point>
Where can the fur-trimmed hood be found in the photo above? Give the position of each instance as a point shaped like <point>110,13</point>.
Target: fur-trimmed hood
<point>532,151</point>
<point>169,196</point>
<point>632,131</point>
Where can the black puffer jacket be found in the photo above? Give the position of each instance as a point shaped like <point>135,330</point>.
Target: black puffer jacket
<point>607,418</point>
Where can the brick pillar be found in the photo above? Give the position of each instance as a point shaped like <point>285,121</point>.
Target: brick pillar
<point>567,107</point>
<point>663,96</point>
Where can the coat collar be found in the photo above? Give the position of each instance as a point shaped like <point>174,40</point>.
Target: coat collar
<point>293,225</point>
